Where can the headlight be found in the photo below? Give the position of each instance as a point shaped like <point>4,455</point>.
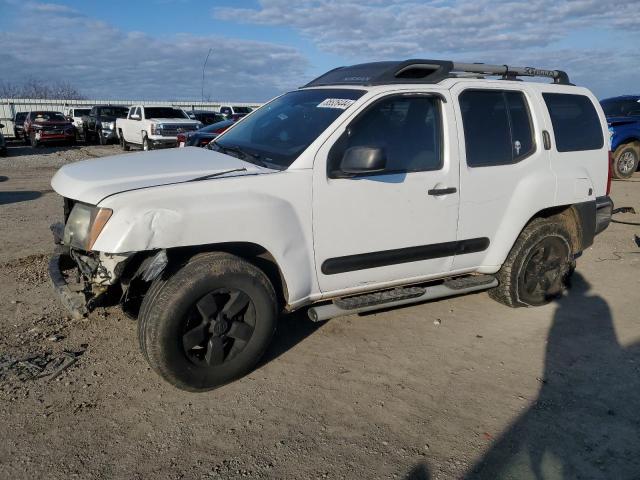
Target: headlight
<point>156,129</point>
<point>108,125</point>
<point>84,224</point>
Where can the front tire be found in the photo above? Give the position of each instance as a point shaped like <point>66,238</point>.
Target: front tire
<point>33,141</point>
<point>538,266</point>
<point>625,161</point>
<point>209,322</point>
<point>123,143</point>
<point>102,140</point>
<point>146,144</point>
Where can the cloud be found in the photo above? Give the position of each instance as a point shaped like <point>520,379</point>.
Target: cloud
<point>480,30</point>
<point>52,41</point>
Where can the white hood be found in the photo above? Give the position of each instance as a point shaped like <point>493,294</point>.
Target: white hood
<point>91,181</point>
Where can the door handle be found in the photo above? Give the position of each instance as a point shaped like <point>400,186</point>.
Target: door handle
<point>442,191</point>
<point>546,139</point>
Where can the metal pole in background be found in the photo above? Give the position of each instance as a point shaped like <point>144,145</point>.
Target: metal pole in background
<point>203,67</point>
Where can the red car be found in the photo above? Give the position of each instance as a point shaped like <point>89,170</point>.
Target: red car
<point>43,126</point>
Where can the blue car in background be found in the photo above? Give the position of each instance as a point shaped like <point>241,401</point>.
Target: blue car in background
<point>623,117</point>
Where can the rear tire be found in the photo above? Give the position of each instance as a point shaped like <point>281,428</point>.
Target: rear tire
<point>625,161</point>
<point>538,266</point>
<point>209,322</point>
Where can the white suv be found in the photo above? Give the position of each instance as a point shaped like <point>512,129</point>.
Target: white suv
<point>374,185</point>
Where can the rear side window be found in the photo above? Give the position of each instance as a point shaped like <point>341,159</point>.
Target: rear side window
<point>497,127</point>
<point>576,125</point>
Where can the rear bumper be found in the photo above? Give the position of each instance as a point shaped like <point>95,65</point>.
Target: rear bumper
<point>604,210</point>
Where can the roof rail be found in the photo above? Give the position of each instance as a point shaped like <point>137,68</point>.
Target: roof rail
<point>427,71</point>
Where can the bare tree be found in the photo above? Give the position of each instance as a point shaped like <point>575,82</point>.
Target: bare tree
<point>33,88</point>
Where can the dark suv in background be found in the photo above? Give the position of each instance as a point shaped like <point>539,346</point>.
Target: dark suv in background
<point>100,124</point>
<point>18,124</point>
<point>206,117</point>
<point>623,118</point>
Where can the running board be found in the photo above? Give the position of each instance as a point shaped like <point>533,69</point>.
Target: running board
<point>400,296</point>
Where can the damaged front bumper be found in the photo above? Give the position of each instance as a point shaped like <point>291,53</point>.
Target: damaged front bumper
<point>73,299</point>
<point>81,279</point>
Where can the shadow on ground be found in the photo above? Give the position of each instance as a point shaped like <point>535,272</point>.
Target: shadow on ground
<point>292,329</point>
<point>585,422</point>
<point>18,196</point>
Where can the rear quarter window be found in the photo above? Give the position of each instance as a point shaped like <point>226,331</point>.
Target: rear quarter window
<point>576,125</point>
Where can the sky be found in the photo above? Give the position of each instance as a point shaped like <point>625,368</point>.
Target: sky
<point>155,49</point>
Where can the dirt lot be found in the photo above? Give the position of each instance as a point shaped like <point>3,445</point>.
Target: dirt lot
<point>456,388</point>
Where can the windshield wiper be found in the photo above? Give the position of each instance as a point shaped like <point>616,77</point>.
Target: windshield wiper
<point>242,153</point>
<point>217,174</point>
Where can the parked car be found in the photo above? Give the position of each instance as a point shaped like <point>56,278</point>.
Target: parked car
<point>206,117</point>
<point>623,117</point>
<point>154,127</point>
<point>3,143</point>
<point>43,126</point>
<point>100,124</point>
<point>18,124</point>
<point>231,112</point>
<point>75,116</point>
<point>373,186</point>
<point>202,137</point>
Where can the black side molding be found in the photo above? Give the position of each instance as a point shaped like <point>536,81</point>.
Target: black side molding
<point>363,261</point>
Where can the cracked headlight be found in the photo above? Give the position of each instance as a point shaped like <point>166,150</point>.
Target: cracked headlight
<point>84,224</point>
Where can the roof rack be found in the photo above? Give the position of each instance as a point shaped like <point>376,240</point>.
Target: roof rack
<point>427,71</point>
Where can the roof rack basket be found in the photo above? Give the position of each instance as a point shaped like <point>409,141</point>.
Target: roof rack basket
<point>428,71</point>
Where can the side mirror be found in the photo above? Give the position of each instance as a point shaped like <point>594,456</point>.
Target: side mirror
<point>135,116</point>
<point>361,160</point>
<point>1,125</point>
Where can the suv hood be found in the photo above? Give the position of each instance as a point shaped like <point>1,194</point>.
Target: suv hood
<point>91,181</point>
<point>52,123</point>
<point>613,121</point>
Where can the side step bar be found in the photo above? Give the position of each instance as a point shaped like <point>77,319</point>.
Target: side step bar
<point>400,296</point>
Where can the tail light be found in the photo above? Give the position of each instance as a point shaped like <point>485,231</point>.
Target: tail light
<point>204,141</point>
<point>609,172</point>
<point>220,130</point>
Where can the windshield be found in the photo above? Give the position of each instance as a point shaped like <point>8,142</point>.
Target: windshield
<point>276,134</point>
<point>164,112</point>
<point>241,109</point>
<point>118,112</point>
<point>621,107</point>
<point>48,117</point>
<point>79,112</point>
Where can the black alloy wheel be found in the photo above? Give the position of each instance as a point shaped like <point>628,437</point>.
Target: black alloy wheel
<point>545,270</point>
<point>218,327</point>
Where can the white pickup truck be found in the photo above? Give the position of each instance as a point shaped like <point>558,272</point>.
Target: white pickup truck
<point>153,127</point>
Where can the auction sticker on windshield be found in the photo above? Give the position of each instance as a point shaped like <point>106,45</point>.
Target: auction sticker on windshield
<point>341,103</point>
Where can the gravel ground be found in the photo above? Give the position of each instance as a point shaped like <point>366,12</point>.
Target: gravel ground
<point>457,388</point>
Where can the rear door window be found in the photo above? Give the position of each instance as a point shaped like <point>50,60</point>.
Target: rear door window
<point>497,127</point>
<point>576,125</point>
